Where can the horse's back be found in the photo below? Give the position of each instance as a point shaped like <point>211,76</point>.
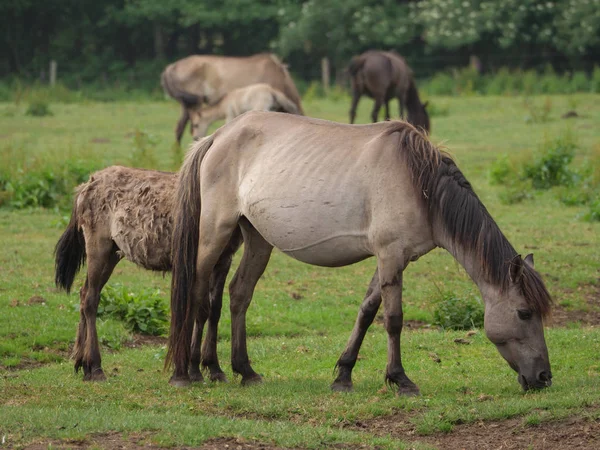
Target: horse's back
<point>132,207</point>
<point>312,187</point>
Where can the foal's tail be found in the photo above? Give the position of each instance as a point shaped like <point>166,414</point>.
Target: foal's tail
<point>285,103</point>
<point>184,253</point>
<point>69,254</point>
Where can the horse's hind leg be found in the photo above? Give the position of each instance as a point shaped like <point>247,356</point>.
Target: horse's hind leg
<point>376,108</point>
<point>102,259</point>
<point>354,105</point>
<point>210,359</point>
<point>366,315</point>
<point>181,123</point>
<point>256,256</point>
<point>387,110</point>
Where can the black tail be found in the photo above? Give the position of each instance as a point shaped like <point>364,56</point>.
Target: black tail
<point>184,253</point>
<point>186,98</point>
<point>69,254</point>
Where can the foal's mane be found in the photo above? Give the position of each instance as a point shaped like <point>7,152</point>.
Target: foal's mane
<point>451,201</point>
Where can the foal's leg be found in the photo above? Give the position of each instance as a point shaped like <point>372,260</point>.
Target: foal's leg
<point>365,318</point>
<point>210,359</point>
<point>354,105</point>
<point>181,123</point>
<point>101,259</point>
<point>257,252</point>
<point>390,277</point>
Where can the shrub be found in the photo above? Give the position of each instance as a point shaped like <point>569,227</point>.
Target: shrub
<point>593,214</point>
<point>537,113</point>
<point>550,167</point>
<point>595,81</point>
<point>145,312</point>
<point>38,108</point>
<point>440,84</point>
<point>143,150</point>
<point>501,170</point>
<point>459,313</point>
<point>516,191</point>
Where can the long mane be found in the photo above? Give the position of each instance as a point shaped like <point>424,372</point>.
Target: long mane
<point>451,201</point>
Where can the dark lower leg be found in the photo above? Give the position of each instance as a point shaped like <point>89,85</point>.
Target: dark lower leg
<point>355,99</point>
<point>387,110</point>
<point>195,374</point>
<point>376,108</point>
<point>181,123</point>
<point>366,315</point>
<point>79,346</point>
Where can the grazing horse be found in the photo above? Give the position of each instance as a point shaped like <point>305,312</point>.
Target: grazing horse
<point>126,213</point>
<point>201,79</point>
<point>384,76</point>
<point>330,194</point>
<point>256,97</point>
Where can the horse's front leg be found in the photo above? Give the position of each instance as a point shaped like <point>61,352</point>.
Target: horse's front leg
<point>181,123</point>
<point>366,315</point>
<point>390,278</point>
<point>376,108</point>
<point>387,109</point>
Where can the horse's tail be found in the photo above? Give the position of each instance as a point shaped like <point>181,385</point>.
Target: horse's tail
<point>356,63</point>
<point>284,103</point>
<point>289,88</point>
<point>171,88</point>
<point>184,253</point>
<point>69,253</point>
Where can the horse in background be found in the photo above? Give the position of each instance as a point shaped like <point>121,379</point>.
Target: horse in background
<point>384,76</point>
<point>256,97</point>
<point>119,213</point>
<point>200,79</point>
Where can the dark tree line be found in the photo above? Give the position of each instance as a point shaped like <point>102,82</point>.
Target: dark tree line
<point>130,41</point>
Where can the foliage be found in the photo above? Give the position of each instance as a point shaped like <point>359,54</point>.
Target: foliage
<point>537,112</point>
<point>38,108</point>
<point>144,312</point>
<point>550,166</point>
<point>459,312</point>
<point>144,145</point>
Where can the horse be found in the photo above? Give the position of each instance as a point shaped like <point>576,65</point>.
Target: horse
<point>121,213</point>
<point>256,97</point>
<point>384,76</point>
<point>201,79</point>
<point>331,194</point>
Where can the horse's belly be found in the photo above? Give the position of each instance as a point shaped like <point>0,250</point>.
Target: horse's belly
<point>318,234</point>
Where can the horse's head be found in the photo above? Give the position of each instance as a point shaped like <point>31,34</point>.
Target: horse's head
<point>419,117</point>
<point>199,124</point>
<point>513,322</point>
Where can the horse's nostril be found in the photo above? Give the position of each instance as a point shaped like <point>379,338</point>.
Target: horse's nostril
<point>544,376</point>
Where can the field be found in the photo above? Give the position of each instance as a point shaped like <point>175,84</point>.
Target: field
<point>301,316</point>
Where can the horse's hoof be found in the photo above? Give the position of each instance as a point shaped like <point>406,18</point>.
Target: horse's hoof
<point>196,377</point>
<point>409,391</point>
<point>253,379</point>
<point>180,382</point>
<point>219,376</point>
<point>96,375</point>
<point>342,386</point>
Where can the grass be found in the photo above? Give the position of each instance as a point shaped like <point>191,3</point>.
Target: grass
<point>301,315</point>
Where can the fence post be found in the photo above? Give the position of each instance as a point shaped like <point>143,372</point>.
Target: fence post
<point>53,72</point>
<point>325,74</point>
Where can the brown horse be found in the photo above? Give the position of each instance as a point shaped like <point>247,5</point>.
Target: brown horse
<point>384,76</point>
<point>126,213</point>
<point>200,79</point>
<point>295,183</point>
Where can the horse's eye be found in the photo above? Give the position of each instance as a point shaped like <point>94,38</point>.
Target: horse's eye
<point>524,314</point>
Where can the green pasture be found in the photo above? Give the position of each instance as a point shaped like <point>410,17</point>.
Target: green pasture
<point>301,315</point>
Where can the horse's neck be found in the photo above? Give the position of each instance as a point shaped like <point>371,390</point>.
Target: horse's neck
<point>412,95</point>
<point>215,112</point>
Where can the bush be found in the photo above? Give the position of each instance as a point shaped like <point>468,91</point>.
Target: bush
<point>537,113</point>
<point>550,166</point>
<point>145,312</point>
<point>38,108</point>
<point>593,214</point>
<point>501,170</point>
<point>459,313</point>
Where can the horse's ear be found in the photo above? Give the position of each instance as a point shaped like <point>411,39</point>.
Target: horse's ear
<point>529,259</point>
<point>516,269</point>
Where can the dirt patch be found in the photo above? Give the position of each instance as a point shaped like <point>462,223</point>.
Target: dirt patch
<point>572,433</point>
<point>135,441</point>
<point>144,339</point>
<point>591,317</point>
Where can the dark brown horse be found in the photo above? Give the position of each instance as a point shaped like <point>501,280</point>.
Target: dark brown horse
<point>126,213</point>
<point>385,76</point>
